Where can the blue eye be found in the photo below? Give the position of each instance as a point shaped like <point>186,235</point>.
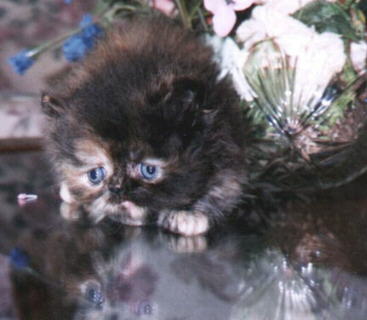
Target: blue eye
<point>148,172</point>
<point>96,175</point>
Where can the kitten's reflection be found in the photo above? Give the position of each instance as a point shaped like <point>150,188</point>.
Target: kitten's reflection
<point>125,288</point>
<point>118,272</point>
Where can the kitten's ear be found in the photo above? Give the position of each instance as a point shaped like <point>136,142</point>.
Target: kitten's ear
<point>51,106</point>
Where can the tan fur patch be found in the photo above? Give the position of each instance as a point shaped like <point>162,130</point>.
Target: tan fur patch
<point>229,187</point>
<point>76,185</point>
<point>93,154</point>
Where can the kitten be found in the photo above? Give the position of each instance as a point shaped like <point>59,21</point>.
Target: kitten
<point>143,129</point>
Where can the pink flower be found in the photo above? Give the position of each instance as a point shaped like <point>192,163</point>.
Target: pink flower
<point>166,6</point>
<point>224,16</point>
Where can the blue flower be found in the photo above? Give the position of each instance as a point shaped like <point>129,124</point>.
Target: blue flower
<point>87,19</point>
<point>77,46</point>
<point>19,258</point>
<point>21,61</point>
<point>68,1</point>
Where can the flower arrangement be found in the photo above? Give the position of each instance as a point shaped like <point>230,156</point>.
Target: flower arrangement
<point>298,66</point>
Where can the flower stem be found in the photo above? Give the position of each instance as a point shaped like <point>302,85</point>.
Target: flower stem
<point>51,44</point>
<point>184,14</point>
<point>202,20</point>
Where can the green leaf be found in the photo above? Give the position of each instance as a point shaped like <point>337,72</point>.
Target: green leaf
<point>327,16</point>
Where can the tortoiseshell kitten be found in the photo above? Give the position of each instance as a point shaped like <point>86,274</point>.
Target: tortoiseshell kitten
<point>144,129</point>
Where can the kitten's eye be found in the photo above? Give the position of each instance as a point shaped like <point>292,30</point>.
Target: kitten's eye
<point>149,172</point>
<point>92,292</point>
<point>96,175</point>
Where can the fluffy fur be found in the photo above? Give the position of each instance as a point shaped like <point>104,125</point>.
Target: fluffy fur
<point>149,93</point>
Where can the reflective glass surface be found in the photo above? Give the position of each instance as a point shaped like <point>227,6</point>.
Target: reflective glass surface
<point>303,260</point>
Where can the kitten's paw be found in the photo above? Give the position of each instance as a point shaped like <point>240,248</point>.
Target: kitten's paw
<point>183,222</point>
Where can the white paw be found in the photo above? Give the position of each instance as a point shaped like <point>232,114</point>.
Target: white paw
<point>183,222</point>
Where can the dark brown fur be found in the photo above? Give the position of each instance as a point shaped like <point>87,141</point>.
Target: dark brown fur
<point>149,90</point>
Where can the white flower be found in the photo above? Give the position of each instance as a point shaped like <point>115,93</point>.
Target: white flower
<point>224,13</point>
<point>322,57</point>
<point>267,24</point>
<point>316,57</point>
<point>287,6</point>
<point>231,60</point>
<point>358,55</point>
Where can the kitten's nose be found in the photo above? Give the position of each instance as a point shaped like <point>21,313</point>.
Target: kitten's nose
<point>115,189</point>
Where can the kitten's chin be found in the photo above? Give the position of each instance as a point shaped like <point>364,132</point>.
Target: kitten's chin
<point>130,214</point>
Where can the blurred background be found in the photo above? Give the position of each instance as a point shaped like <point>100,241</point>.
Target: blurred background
<point>23,24</point>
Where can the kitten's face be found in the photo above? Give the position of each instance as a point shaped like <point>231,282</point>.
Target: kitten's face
<point>124,177</point>
<point>144,158</point>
